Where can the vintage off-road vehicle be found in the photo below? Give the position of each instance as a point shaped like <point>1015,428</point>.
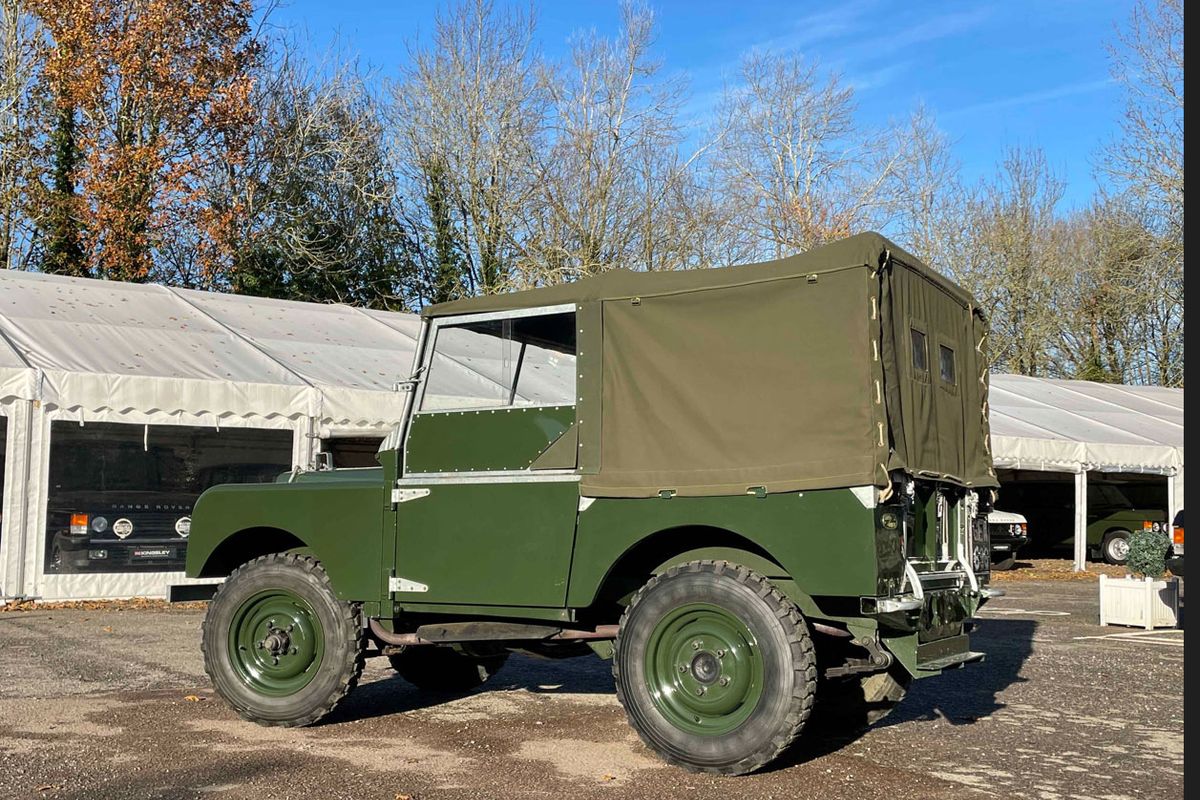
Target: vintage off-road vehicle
<point>760,490</point>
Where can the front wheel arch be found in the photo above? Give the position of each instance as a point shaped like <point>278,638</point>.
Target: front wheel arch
<point>243,546</point>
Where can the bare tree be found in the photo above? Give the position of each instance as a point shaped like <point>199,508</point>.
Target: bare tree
<point>1101,295</point>
<point>1146,163</point>
<point>1147,158</point>
<point>927,190</point>
<point>1007,253</point>
<point>19,39</point>
<point>612,185</point>
<point>794,163</point>
<point>469,107</point>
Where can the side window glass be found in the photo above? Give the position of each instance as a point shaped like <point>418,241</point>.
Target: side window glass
<point>920,352</point>
<point>946,357</point>
<point>521,361</point>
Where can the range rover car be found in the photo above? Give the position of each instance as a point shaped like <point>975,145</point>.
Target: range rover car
<point>1009,532</point>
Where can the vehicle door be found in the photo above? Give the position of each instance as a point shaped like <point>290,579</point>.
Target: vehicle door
<point>488,494</point>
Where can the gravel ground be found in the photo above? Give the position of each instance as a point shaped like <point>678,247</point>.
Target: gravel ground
<point>112,702</point>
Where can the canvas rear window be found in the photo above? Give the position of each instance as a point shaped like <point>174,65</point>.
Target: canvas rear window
<point>920,352</point>
<point>946,357</point>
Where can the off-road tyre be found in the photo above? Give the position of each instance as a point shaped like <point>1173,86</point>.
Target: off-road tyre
<point>1005,563</point>
<point>1117,541</point>
<point>665,622</point>
<point>444,669</point>
<point>328,637</point>
<point>849,705</point>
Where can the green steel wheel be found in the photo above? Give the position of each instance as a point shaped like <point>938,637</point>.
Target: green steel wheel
<point>275,642</point>
<point>715,668</point>
<point>278,645</point>
<point>704,669</point>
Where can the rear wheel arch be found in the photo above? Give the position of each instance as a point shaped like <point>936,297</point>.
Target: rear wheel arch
<point>248,544</point>
<point>658,551</point>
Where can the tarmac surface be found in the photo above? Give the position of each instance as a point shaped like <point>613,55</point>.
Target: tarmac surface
<point>115,704</point>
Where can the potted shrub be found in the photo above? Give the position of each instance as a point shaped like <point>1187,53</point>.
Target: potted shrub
<point>1144,597</point>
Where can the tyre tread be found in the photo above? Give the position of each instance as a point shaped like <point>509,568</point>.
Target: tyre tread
<point>803,659</point>
<point>350,667</point>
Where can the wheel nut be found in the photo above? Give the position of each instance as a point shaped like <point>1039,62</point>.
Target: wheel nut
<point>695,645</point>
<point>293,651</point>
<point>724,681</point>
<point>275,661</point>
<point>700,690</point>
<point>720,654</point>
<point>290,628</point>
<point>260,645</point>
<point>683,668</point>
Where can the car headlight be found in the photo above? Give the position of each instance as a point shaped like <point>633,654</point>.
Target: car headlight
<point>99,524</point>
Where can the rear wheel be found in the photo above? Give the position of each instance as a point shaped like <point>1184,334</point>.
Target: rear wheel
<point>715,668</point>
<point>444,669</point>
<point>1116,547</point>
<point>278,645</point>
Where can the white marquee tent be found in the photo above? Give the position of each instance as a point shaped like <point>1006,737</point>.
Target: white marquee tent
<point>99,351</point>
<point>85,351</point>
<point>1080,427</point>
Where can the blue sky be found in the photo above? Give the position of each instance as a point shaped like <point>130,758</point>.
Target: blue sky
<point>995,74</point>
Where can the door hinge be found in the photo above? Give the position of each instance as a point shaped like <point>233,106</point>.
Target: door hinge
<point>405,585</point>
<point>404,495</point>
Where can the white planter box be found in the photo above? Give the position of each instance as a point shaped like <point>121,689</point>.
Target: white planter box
<point>1144,603</point>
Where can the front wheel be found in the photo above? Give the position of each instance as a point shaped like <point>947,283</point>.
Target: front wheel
<point>278,645</point>
<point>715,668</point>
<point>1116,547</point>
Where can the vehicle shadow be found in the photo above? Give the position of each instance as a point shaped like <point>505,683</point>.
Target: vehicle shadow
<point>962,696</point>
<point>394,695</point>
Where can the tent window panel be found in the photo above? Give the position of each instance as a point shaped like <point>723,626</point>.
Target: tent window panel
<point>121,496</point>
<point>920,351</point>
<point>522,361</point>
<point>946,358</point>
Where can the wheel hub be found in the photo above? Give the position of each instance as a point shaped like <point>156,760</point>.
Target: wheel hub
<point>275,642</point>
<point>704,669</point>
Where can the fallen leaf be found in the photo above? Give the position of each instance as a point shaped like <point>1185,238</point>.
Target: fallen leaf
<point>403,796</point>
<point>107,629</point>
<point>193,698</point>
<point>609,778</point>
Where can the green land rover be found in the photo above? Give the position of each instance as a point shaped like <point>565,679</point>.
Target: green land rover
<point>761,491</point>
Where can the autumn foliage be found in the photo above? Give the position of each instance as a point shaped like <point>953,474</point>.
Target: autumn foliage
<point>157,93</point>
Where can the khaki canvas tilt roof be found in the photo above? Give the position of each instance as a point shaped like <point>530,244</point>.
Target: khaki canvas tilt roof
<point>786,375</point>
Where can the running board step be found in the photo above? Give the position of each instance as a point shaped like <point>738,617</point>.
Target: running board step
<point>478,631</point>
<point>956,660</point>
